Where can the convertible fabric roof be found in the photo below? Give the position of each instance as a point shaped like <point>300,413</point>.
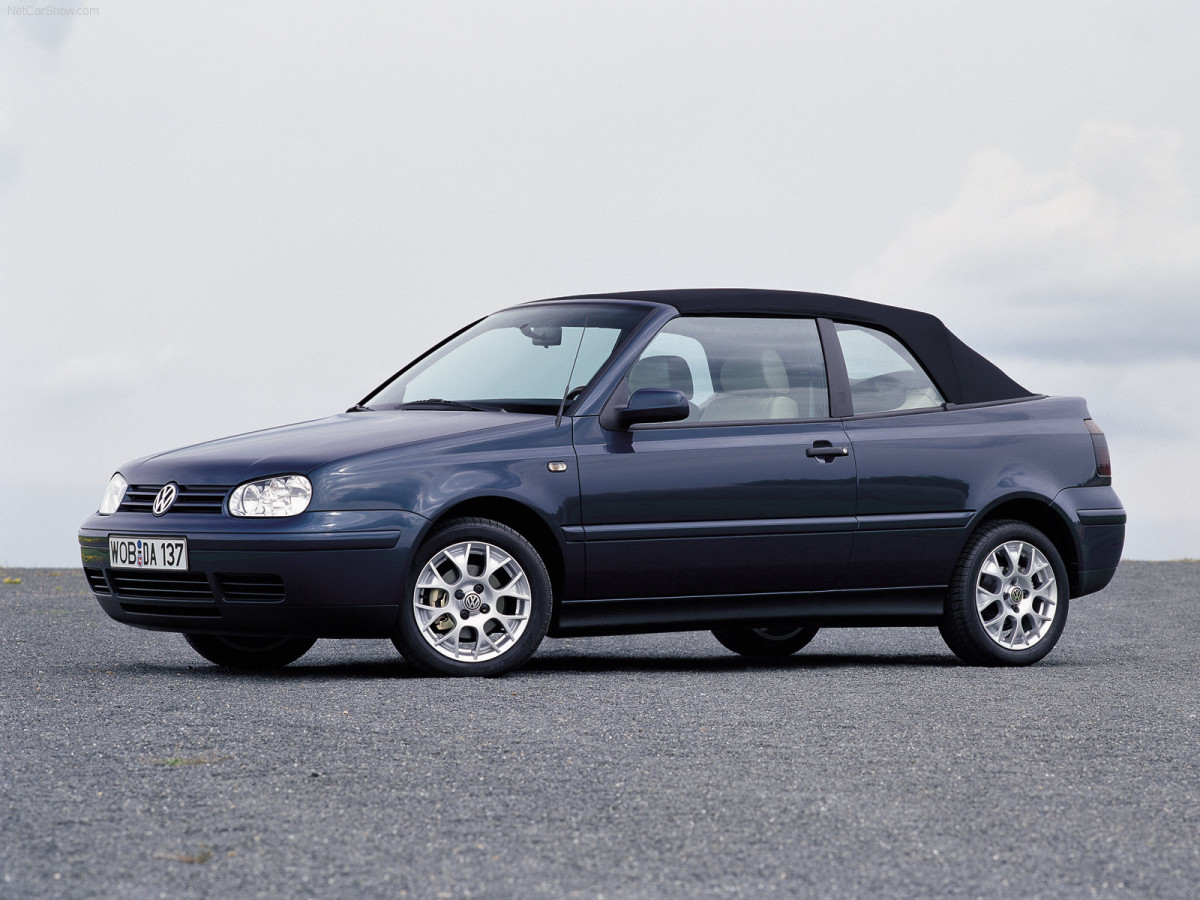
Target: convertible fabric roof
<point>962,375</point>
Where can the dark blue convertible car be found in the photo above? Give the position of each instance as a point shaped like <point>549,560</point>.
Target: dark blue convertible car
<point>757,463</point>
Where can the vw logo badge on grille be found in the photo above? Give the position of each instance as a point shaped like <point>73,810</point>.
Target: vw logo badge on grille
<point>165,497</point>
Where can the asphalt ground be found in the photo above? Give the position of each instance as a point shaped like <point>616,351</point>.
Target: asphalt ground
<point>871,764</point>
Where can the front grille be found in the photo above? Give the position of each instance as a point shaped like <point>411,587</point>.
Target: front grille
<point>95,578</point>
<point>193,498</point>
<point>260,588</point>
<point>161,585</point>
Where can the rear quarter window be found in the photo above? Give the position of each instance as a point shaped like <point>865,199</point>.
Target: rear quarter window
<point>884,376</point>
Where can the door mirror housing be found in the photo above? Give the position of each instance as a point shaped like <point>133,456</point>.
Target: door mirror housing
<point>648,405</point>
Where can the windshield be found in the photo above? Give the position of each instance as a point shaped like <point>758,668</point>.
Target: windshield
<point>518,360</point>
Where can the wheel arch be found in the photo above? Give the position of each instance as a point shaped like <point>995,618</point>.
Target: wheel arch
<point>521,518</point>
<point>1039,513</point>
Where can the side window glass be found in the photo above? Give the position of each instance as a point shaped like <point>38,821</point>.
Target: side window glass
<point>738,369</point>
<point>884,376</point>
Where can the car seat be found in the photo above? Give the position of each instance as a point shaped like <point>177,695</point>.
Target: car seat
<point>753,385</point>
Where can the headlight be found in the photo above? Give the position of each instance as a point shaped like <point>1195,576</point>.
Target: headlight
<point>113,495</point>
<point>284,495</point>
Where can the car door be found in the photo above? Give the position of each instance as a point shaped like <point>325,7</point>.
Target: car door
<point>915,462</point>
<point>753,493</point>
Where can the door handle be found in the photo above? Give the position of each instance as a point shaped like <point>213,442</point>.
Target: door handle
<point>826,451</point>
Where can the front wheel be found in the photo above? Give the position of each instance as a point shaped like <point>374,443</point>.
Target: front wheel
<point>770,641</point>
<point>249,651</point>
<point>1008,599</point>
<point>478,601</point>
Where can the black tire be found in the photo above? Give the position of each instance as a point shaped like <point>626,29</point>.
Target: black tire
<point>768,641</point>
<point>448,625</point>
<point>249,651</point>
<point>1027,617</point>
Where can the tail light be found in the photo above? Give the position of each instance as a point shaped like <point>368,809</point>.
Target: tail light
<point>1100,445</point>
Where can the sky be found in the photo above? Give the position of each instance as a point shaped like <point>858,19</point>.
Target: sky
<point>216,216</point>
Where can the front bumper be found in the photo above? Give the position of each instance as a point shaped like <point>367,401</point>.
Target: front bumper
<point>322,574</point>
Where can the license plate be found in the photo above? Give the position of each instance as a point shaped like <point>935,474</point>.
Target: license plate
<point>147,553</point>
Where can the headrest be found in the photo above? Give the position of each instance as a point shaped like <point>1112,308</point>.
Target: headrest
<point>666,372</point>
<point>758,370</point>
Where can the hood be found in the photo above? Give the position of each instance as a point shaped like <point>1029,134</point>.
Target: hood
<point>302,447</point>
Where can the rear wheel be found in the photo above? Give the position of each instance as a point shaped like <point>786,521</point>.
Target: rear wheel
<point>1008,599</point>
<point>249,651</point>
<point>770,641</point>
<point>478,601</point>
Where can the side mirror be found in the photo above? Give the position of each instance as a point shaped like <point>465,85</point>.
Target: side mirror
<point>648,405</point>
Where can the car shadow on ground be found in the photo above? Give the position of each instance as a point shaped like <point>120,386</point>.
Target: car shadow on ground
<point>548,665</point>
<point>364,670</point>
<point>595,662</point>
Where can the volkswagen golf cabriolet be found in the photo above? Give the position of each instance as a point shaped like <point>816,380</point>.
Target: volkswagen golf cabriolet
<point>760,464</point>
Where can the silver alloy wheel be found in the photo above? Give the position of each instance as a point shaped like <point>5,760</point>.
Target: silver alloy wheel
<point>1016,595</point>
<point>472,601</point>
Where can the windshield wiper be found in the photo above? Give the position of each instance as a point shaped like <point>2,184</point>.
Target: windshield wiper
<point>438,403</point>
<point>358,407</point>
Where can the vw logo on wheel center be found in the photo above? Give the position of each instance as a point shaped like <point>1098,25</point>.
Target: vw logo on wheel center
<point>165,497</point>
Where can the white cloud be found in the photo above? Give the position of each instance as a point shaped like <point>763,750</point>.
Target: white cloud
<point>1099,256</point>
<point>1084,280</point>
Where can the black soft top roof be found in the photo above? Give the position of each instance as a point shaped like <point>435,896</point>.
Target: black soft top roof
<point>962,375</point>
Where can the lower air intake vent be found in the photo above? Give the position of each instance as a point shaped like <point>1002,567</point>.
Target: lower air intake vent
<point>161,585</point>
<point>96,581</point>
<point>256,588</point>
